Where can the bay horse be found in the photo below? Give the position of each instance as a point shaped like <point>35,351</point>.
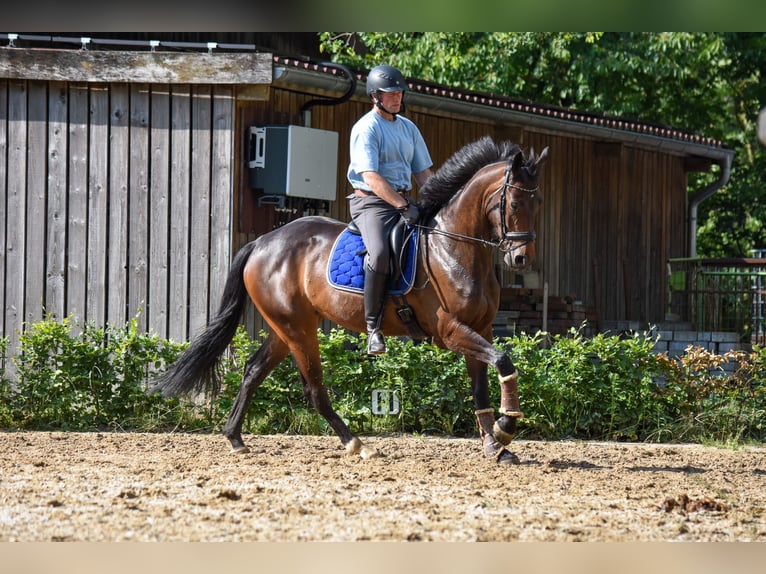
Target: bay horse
<point>485,197</point>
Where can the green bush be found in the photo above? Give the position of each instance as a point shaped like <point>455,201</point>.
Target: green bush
<point>614,388</point>
<point>570,386</point>
<point>84,378</point>
<point>6,390</point>
<point>577,387</point>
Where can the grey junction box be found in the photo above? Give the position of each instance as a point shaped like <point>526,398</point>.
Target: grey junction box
<point>293,161</point>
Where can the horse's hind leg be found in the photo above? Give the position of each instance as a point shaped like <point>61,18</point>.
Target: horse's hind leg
<point>272,352</point>
<point>310,366</point>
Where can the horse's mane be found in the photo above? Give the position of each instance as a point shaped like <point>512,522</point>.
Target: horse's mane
<point>458,169</point>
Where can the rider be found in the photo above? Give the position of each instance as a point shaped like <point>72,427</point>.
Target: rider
<point>387,151</point>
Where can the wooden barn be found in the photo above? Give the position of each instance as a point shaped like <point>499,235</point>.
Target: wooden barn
<point>126,178</point>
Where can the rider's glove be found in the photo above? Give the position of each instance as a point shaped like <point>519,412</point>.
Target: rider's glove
<point>411,214</point>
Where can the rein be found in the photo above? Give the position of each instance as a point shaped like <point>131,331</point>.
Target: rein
<point>453,235</point>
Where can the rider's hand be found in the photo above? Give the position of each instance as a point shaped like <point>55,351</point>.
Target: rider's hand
<point>412,214</point>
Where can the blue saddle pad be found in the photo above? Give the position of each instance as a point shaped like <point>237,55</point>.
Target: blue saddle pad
<point>345,269</point>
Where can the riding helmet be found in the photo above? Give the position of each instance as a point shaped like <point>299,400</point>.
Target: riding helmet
<point>385,79</point>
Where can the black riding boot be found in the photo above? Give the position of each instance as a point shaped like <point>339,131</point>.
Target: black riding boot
<point>374,300</point>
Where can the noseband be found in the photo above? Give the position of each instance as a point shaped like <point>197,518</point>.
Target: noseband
<point>509,238</point>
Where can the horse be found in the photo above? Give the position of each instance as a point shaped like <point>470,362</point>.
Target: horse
<point>483,198</point>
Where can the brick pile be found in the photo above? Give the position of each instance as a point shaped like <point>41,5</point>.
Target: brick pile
<point>522,310</point>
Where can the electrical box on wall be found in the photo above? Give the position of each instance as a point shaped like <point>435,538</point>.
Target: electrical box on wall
<point>293,161</point>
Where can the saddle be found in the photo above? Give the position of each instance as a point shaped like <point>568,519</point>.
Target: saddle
<point>346,269</point>
<point>346,266</point>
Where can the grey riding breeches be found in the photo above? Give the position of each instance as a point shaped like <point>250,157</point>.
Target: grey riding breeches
<point>375,218</point>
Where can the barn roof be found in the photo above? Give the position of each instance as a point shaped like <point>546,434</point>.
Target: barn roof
<point>289,70</point>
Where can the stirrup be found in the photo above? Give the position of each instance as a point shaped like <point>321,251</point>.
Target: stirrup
<point>376,344</point>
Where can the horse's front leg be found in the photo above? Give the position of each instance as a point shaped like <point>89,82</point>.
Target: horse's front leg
<point>479,353</point>
<point>494,437</point>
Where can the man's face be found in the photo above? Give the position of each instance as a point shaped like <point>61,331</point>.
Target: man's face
<point>392,101</point>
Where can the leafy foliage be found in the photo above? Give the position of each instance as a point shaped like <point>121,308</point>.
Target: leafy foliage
<point>613,388</point>
<point>84,378</point>
<point>587,388</point>
<point>709,83</point>
<point>708,403</point>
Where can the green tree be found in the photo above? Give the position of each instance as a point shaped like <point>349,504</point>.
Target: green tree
<point>709,83</point>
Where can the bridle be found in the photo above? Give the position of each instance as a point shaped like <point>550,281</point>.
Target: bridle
<point>509,240</point>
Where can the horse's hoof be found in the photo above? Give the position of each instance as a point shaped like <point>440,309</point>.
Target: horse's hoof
<point>491,447</point>
<point>240,449</point>
<point>368,452</point>
<point>506,457</point>
<point>353,446</point>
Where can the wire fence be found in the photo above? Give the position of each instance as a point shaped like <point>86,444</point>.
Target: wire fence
<point>720,295</point>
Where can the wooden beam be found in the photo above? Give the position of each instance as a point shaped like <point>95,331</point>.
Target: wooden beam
<point>253,92</point>
<point>125,66</point>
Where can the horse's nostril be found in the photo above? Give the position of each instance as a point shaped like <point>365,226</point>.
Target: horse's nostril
<point>520,260</point>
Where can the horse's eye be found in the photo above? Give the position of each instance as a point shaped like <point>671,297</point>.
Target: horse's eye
<point>514,205</point>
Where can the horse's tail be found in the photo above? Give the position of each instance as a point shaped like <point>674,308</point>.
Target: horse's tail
<point>196,369</point>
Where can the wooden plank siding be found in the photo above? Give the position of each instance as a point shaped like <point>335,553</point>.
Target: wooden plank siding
<point>179,204</point>
<point>138,202</point>
<point>3,210</point>
<point>199,209</point>
<point>34,250</point>
<point>97,288</point>
<point>115,203</point>
<point>119,224</point>
<point>77,196</point>
<point>55,282</point>
<point>221,186</point>
<point>15,200</point>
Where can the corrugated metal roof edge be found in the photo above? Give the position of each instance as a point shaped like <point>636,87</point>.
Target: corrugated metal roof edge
<point>288,70</point>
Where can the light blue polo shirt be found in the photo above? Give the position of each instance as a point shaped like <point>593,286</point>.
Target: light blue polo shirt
<point>394,149</point>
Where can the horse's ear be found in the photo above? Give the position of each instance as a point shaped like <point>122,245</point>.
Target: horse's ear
<point>543,156</point>
<point>518,162</point>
